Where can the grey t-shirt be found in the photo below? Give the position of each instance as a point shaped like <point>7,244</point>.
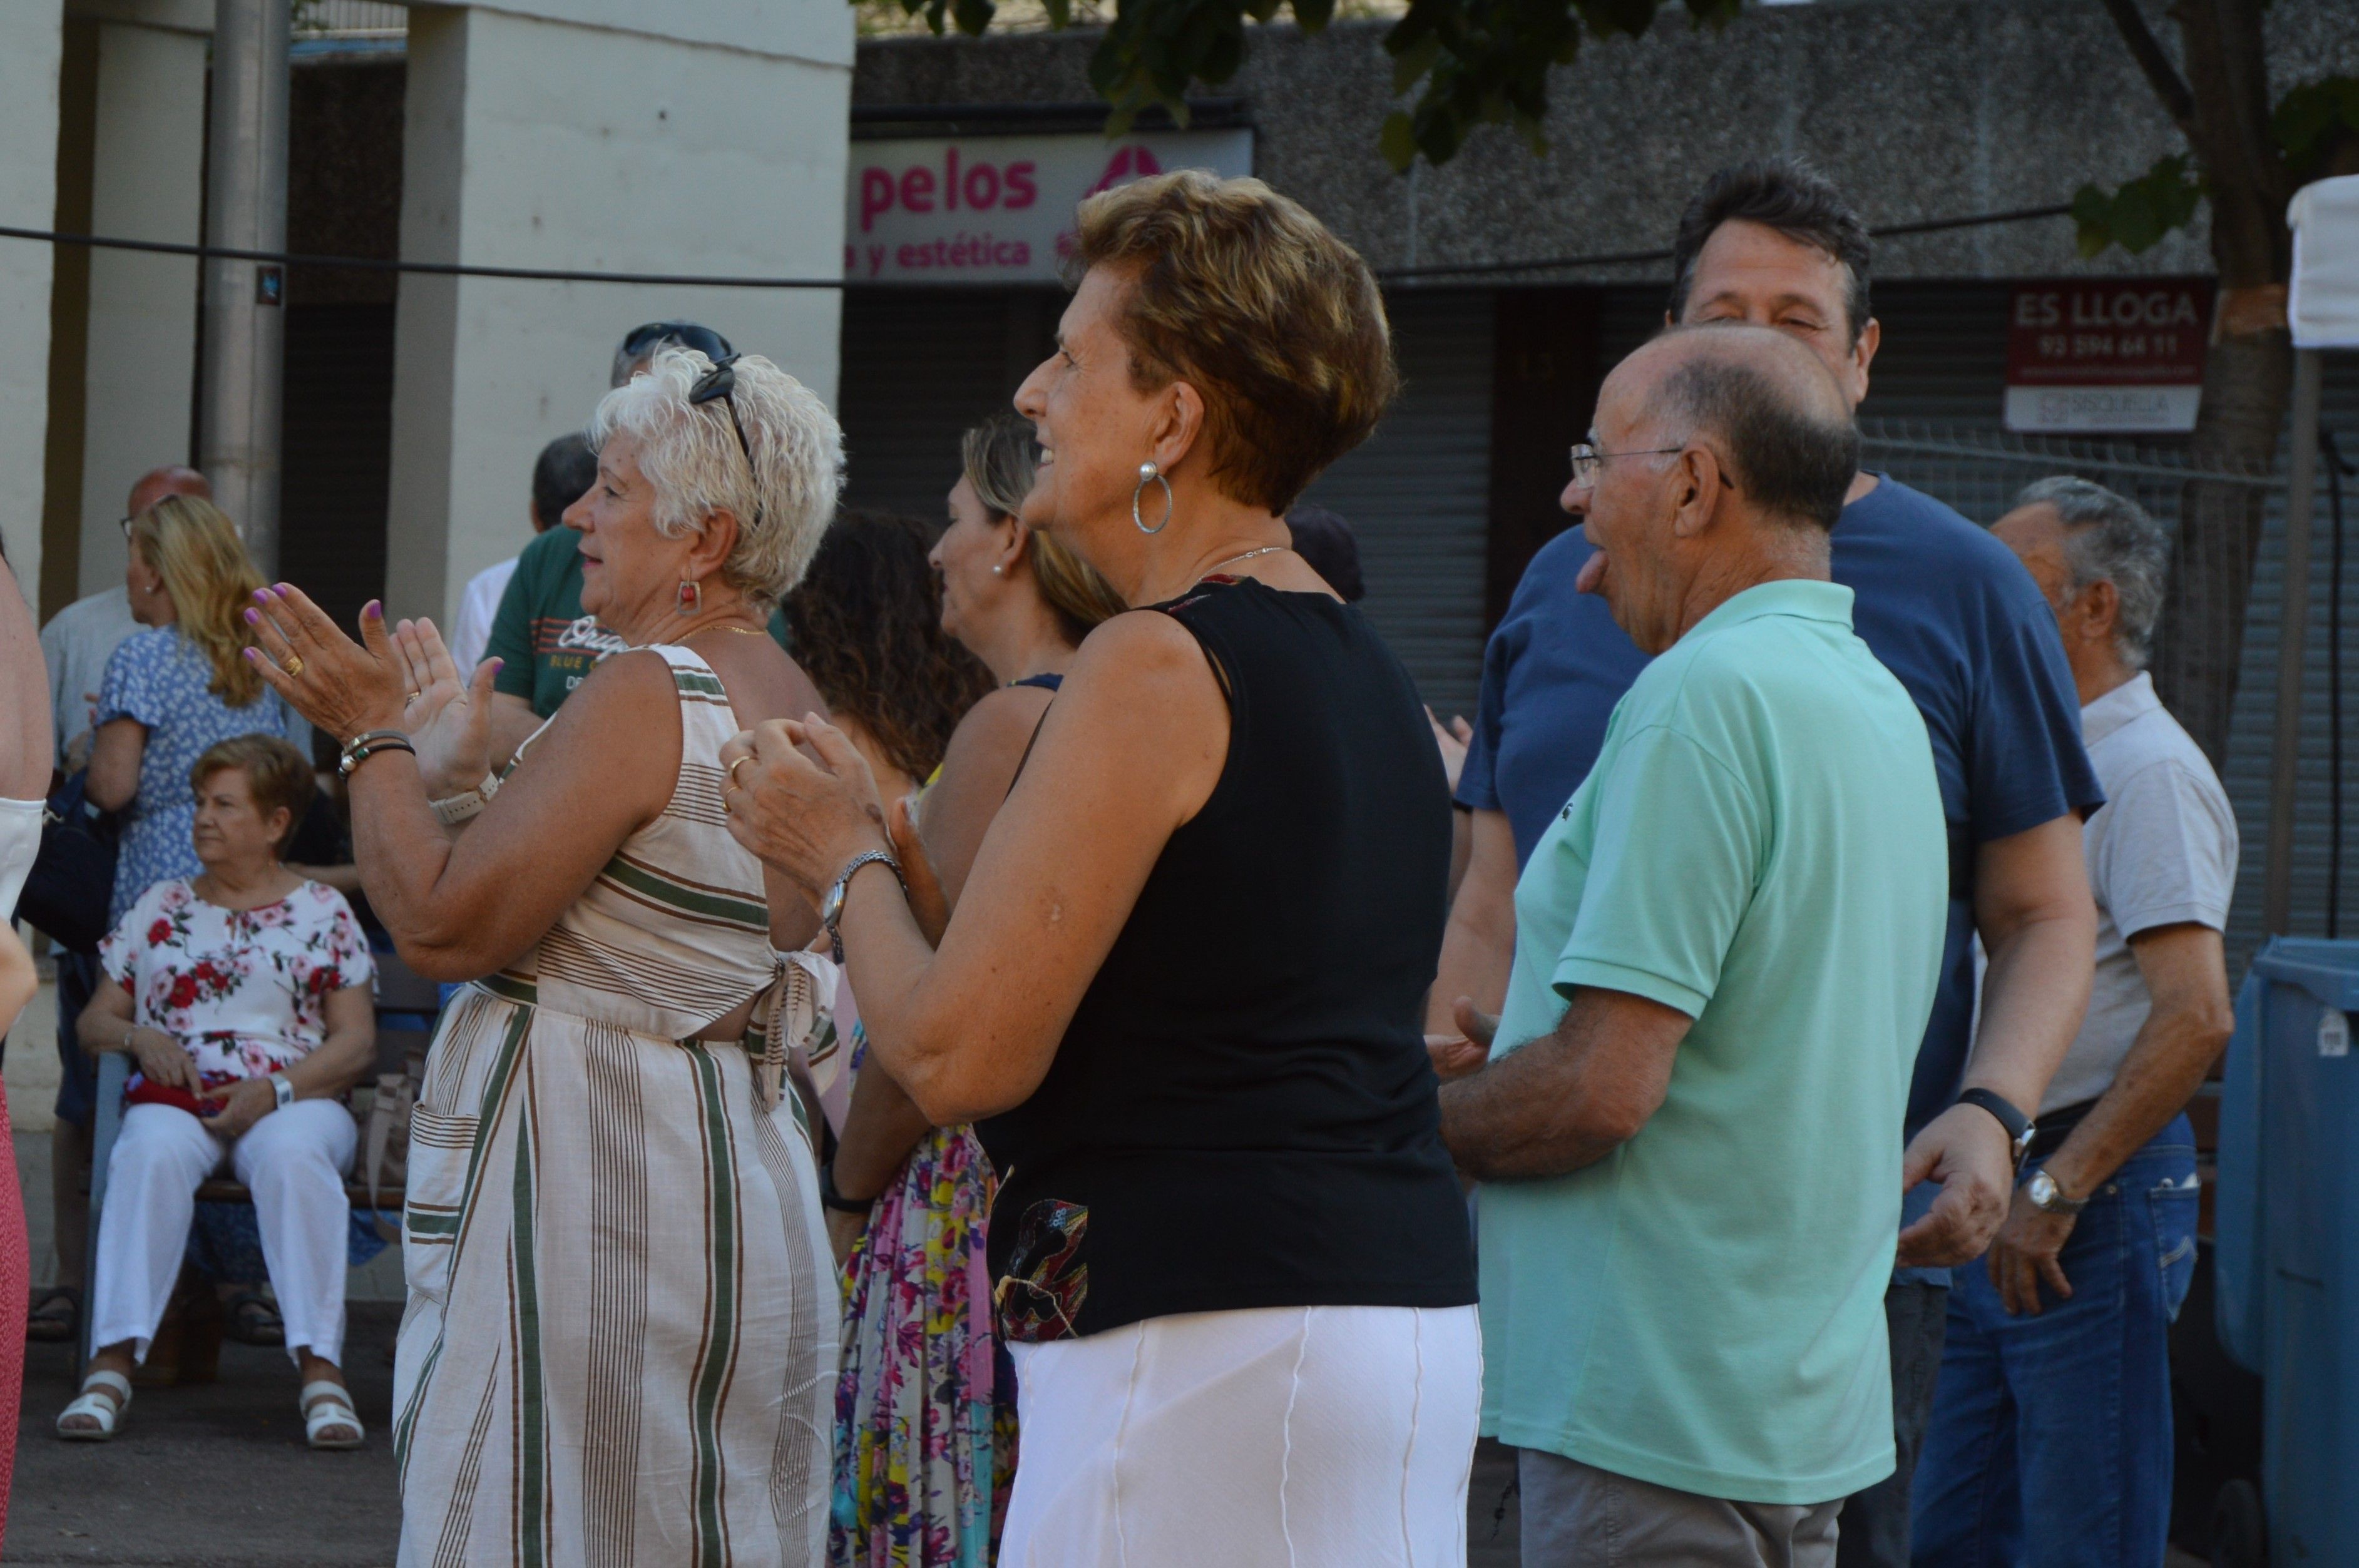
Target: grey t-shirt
<point>2161,851</point>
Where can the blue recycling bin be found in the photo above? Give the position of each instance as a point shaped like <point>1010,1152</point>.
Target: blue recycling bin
<point>2287,1225</point>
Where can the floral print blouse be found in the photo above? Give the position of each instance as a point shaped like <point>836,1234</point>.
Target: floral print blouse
<point>243,990</point>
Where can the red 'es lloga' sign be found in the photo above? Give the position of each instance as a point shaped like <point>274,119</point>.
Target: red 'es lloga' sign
<point>983,209</point>
<point>2107,355</point>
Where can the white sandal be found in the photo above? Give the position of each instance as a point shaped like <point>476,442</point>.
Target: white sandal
<point>105,1397</point>
<point>325,1404</point>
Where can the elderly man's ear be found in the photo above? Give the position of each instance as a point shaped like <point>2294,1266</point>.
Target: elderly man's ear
<point>1696,486</point>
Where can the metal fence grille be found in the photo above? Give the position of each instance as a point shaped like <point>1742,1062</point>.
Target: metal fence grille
<point>1980,472</point>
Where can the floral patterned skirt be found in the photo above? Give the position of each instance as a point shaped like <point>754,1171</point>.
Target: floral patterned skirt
<point>925,1406</point>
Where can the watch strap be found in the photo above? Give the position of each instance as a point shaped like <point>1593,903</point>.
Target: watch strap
<point>2018,1125</point>
<point>283,1089</point>
<point>830,1198</point>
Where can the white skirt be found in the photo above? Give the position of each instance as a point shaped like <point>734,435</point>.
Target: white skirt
<point>1307,1437</point>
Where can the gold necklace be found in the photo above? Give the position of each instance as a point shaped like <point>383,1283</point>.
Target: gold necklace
<point>1249,555</point>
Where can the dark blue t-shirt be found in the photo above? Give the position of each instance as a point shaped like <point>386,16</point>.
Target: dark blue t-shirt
<point>1949,610</point>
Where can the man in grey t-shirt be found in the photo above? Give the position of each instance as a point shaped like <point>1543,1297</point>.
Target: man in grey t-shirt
<point>2052,1422</point>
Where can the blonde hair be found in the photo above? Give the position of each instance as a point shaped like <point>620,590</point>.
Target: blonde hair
<point>997,455</point>
<point>1245,295</point>
<point>194,547</point>
<point>782,499</point>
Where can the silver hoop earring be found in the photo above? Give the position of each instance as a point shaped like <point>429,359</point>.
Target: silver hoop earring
<point>1149,474</point>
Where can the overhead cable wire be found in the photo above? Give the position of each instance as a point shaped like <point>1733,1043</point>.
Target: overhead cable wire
<point>703,280</point>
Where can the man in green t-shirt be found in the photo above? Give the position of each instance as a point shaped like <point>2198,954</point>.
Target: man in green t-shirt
<point>547,643</point>
<point>1727,943</point>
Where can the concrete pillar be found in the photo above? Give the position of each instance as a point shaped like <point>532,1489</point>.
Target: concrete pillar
<point>147,183</point>
<point>31,41</point>
<point>593,134</point>
<point>244,301</point>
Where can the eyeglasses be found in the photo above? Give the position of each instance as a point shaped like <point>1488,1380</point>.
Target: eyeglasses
<point>717,385</point>
<point>641,341</point>
<point>1587,459</point>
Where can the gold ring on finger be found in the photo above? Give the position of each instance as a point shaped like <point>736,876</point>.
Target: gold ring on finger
<point>734,766</point>
<point>294,664</point>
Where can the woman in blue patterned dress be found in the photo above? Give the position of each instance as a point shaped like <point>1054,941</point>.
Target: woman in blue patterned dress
<point>173,691</point>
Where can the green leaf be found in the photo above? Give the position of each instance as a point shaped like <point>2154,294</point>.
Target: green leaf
<point>1414,62</point>
<point>1312,15</point>
<point>1398,141</point>
<point>2309,119</point>
<point>2142,211</point>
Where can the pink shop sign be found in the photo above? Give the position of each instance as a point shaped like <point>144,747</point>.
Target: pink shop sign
<point>992,209</point>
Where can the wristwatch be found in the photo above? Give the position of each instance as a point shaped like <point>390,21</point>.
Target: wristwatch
<point>2047,1197</point>
<point>831,908</point>
<point>829,1197</point>
<point>283,1089</point>
<point>2018,1126</point>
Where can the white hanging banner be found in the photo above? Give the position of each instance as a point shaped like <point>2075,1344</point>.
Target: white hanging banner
<point>2322,305</point>
<point>996,210</point>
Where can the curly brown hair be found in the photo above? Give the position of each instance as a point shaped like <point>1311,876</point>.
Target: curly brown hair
<point>866,623</point>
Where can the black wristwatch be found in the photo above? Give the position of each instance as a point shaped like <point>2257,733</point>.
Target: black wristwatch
<point>2018,1126</point>
<point>829,1198</point>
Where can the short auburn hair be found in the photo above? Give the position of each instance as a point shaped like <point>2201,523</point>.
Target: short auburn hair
<point>1245,295</point>
<point>275,774</point>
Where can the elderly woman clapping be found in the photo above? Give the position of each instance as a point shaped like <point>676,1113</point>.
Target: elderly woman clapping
<point>1184,975</point>
<point>243,995</point>
<point>620,1332</point>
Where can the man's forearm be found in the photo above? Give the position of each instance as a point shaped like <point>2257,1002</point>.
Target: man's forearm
<point>1510,1120</point>
<point>2161,1074</point>
<point>1569,1098</point>
<point>1478,945</point>
<point>2033,999</point>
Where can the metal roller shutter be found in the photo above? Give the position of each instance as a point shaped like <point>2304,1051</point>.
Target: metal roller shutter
<point>920,366</point>
<point>1417,493</point>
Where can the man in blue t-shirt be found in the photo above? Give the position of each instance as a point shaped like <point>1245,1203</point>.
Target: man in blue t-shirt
<point>1951,613</point>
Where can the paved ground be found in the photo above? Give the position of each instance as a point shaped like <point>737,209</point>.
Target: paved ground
<point>209,1476</point>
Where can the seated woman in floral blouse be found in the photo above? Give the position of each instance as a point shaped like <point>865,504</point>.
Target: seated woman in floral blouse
<point>244,996</point>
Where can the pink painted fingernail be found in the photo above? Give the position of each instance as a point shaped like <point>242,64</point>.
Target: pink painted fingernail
<point>253,654</point>
<point>253,618</point>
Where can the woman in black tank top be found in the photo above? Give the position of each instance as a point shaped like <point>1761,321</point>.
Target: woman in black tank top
<point>1181,990</point>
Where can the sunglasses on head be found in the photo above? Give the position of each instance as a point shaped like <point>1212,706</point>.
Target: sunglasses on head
<point>717,385</point>
<point>644,340</point>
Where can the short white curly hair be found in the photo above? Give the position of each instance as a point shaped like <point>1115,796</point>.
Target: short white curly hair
<point>688,452</point>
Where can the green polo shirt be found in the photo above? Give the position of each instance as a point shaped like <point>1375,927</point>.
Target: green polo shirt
<point>547,643</point>
<point>1760,846</point>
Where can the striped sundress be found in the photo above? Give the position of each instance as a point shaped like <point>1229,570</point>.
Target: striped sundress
<point>620,1346</point>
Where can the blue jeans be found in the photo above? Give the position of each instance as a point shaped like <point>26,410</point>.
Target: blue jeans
<point>2050,1443</point>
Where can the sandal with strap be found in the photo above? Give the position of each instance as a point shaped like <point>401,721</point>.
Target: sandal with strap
<point>326,1405</point>
<point>105,1397</point>
<point>254,1319</point>
<point>54,1314</point>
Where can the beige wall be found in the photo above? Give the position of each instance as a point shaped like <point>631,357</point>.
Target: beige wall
<point>147,183</point>
<point>30,41</point>
<point>575,142</point>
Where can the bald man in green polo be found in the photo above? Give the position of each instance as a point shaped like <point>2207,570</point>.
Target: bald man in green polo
<point>1689,1130</point>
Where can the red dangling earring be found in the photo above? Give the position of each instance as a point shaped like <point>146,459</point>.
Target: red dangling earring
<point>691,596</point>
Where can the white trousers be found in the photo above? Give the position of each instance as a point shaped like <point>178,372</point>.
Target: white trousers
<point>1307,1437</point>
<point>293,1160</point>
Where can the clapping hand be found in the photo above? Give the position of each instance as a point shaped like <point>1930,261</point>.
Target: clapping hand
<point>344,687</point>
<point>927,901</point>
<point>803,818</point>
<point>447,718</point>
